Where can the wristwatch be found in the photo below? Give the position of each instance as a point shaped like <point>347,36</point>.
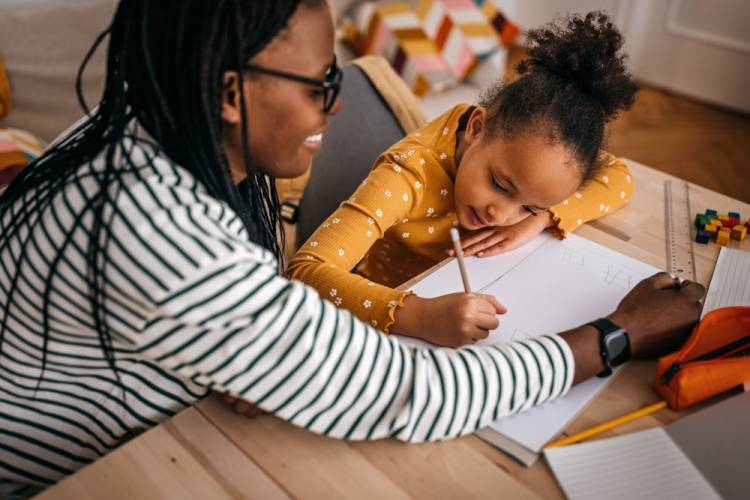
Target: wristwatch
<point>614,345</point>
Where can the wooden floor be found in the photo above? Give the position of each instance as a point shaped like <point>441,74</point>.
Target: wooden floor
<point>698,142</point>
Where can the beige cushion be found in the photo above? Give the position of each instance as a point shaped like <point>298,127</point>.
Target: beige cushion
<point>43,43</point>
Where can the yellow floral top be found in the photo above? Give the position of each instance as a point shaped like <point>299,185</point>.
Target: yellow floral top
<point>396,223</point>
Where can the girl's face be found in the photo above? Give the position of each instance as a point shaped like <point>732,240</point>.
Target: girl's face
<point>285,118</point>
<point>501,181</point>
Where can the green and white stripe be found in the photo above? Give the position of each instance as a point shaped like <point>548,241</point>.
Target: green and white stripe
<point>195,307</point>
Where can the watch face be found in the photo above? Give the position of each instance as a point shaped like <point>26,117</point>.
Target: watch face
<point>617,346</point>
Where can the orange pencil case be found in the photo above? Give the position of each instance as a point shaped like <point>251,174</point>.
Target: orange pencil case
<point>715,358</point>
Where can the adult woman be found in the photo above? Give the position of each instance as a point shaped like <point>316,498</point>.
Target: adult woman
<point>136,273</point>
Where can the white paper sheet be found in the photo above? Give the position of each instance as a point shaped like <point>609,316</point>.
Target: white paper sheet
<point>645,464</point>
<point>730,283</point>
<point>549,286</point>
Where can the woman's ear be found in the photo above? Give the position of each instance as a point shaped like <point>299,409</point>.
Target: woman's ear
<point>230,98</point>
<point>476,124</point>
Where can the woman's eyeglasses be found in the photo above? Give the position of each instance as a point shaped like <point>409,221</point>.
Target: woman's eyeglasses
<point>330,86</point>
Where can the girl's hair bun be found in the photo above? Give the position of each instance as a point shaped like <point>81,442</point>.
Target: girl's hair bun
<point>584,51</point>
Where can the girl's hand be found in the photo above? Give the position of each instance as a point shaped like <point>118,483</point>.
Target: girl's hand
<point>449,320</point>
<point>494,240</point>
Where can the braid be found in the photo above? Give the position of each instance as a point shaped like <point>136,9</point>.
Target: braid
<point>165,63</point>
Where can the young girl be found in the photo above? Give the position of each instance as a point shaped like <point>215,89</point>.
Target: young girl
<point>528,159</point>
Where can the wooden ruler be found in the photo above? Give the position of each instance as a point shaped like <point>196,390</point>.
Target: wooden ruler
<point>680,258</point>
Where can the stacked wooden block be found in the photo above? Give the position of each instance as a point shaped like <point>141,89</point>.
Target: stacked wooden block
<point>720,227</point>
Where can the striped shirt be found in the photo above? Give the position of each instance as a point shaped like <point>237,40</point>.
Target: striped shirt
<point>195,306</point>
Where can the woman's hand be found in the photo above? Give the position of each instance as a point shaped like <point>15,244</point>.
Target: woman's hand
<point>449,320</point>
<point>659,314</point>
<point>242,407</point>
<point>494,240</point>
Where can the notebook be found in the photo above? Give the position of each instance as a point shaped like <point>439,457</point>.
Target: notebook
<point>572,281</point>
<point>730,283</point>
<point>703,456</point>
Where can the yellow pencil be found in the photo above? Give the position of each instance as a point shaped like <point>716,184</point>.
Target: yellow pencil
<point>593,431</point>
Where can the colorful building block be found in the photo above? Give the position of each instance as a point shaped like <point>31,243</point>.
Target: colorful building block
<point>702,237</point>
<point>722,217</point>
<point>730,223</point>
<point>734,215</point>
<point>739,232</point>
<point>722,238</point>
<point>701,220</point>
<point>711,230</point>
<point>711,212</point>
<point>715,222</point>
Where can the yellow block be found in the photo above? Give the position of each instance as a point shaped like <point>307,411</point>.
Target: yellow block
<point>716,222</point>
<point>722,217</point>
<point>722,238</point>
<point>739,232</point>
<point>711,229</point>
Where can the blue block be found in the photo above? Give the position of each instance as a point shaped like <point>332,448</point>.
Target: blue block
<point>702,237</point>
<point>734,215</point>
<point>713,213</point>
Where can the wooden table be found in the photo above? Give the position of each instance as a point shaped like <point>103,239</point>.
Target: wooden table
<point>209,452</point>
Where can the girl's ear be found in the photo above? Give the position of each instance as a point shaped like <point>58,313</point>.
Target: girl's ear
<point>230,98</point>
<point>476,124</point>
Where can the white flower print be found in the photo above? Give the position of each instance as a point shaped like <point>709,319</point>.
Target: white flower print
<point>445,131</point>
<point>430,211</point>
<point>579,221</point>
<point>405,197</point>
<point>325,224</point>
<point>622,195</point>
<point>396,168</point>
<point>421,161</point>
<point>430,229</point>
<point>338,301</point>
<point>417,184</point>
<point>336,220</point>
<point>606,209</point>
<point>392,303</point>
<point>374,323</point>
<point>601,207</point>
<point>578,195</point>
<point>605,179</point>
<point>388,194</point>
<point>370,220</point>
<point>379,212</point>
<point>341,252</point>
<point>565,202</point>
<point>404,221</point>
<point>313,243</point>
<point>367,303</point>
<point>405,235</point>
<point>369,234</point>
<point>444,192</point>
<point>411,152</point>
<point>627,178</point>
<point>333,292</point>
<point>443,156</point>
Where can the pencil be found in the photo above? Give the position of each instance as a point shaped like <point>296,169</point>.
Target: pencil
<point>460,259</point>
<point>597,429</point>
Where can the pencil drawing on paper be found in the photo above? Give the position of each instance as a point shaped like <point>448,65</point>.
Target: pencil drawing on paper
<point>570,256</point>
<point>618,278</point>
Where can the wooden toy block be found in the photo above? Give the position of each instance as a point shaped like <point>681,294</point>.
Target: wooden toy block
<point>711,230</point>
<point>701,220</point>
<point>739,232</point>
<point>734,215</point>
<point>722,217</point>
<point>730,223</point>
<point>715,222</point>
<point>711,213</point>
<point>722,238</point>
<point>702,237</point>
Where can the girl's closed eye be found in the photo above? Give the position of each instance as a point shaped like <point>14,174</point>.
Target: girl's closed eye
<point>499,186</point>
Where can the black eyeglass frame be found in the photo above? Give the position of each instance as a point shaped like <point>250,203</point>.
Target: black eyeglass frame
<point>331,86</point>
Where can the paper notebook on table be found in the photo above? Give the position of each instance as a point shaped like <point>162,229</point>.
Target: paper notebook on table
<point>548,286</point>
<point>700,457</point>
<point>730,283</point>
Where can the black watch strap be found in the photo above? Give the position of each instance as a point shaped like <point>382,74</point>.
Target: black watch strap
<point>614,345</point>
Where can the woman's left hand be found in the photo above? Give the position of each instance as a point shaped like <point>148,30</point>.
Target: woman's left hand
<point>494,240</point>
<point>242,407</point>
